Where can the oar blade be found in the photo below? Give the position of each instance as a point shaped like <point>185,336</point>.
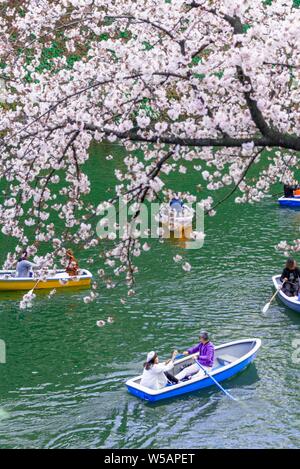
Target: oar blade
<point>265,308</point>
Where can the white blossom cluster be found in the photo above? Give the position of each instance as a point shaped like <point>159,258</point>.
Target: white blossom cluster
<point>184,86</point>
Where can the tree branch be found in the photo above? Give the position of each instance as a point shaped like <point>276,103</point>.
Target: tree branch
<point>275,140</point>
<point>239,181</point>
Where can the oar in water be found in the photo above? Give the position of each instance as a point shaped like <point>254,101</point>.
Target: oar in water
<point>32,290</point>
<point>217,383</point>
<point>181,355</point>
<point>267,305</point>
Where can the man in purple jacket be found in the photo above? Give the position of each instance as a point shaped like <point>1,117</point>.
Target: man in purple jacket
<point>205,357</point>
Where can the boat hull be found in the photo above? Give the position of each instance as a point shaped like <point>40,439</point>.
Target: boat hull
<point>225,372</point>
<point>22,284</point>
<point>289,202</point>
<point>290,302</point>
<point>174,222</point>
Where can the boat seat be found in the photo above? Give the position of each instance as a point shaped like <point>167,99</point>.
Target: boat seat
<point>216,366</point>
<point>226,359</point>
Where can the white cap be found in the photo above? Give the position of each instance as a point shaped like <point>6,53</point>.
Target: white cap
<point>150,355</point>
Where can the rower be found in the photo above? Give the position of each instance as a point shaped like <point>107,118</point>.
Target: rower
<point>72,267</point>
<point>206,351</point>
<point>290,277</point>
<point>24,266</point>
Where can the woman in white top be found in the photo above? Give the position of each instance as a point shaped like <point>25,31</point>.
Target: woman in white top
<point>155,374</point>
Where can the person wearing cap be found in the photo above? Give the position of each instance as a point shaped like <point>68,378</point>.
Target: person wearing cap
<point>290,278</point>
<point>156,375</point>
<point>206,353</point>
<point>24,266</point>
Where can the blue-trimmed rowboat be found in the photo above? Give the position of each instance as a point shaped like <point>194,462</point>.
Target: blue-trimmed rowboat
<point>291,302</point>
<point>230,359</point>
<point>289,202</point>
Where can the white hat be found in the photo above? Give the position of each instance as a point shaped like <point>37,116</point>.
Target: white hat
<point>150,356</point>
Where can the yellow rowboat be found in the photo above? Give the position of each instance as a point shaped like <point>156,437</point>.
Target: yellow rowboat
<point>59,279</point>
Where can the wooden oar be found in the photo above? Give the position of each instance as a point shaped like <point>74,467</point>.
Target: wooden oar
<point>32,290</point>
<point>267,305</point>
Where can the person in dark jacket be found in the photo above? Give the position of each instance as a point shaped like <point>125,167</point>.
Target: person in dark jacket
<point>288,191</point>
<point>290,277</point>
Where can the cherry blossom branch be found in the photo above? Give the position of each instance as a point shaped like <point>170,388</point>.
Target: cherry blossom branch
<point>273,141</point>
<point>227,196</point>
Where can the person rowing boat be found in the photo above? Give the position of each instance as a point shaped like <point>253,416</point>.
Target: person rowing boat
<point>290,278</point>
<point>205,358</point>
<point>24,266</point>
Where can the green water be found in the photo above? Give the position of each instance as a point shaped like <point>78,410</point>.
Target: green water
<point>63,383</point>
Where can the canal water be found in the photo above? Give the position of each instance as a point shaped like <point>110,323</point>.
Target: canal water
<point>63,382</point>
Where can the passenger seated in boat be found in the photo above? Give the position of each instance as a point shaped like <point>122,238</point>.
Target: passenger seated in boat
<point>24,266</point>
<point>72,267</point>
<point>291,190</point>
<point>177,204</point>
<point>290,278</point>
<point>288,190</point>
<point>156,375</point>
<point>205,357</point>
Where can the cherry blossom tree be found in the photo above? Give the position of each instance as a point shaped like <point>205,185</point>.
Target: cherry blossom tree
<point>194,85</point>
